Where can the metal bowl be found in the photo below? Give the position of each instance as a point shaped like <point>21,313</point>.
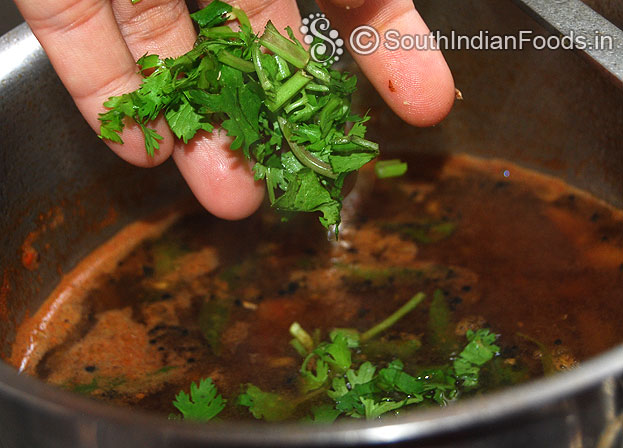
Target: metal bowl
<point>558,112</point>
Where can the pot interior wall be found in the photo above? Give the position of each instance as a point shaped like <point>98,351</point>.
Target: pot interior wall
<point>610,9</point>
<point>62,192</point>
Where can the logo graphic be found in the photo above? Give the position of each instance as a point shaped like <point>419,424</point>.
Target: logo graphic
<point>325,49</point>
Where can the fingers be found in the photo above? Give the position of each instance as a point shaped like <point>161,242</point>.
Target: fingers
<point>92,60</point>
<point>160,27</point>
<point>282,13</point>
<point>416,84</point>
<point>220,178</point>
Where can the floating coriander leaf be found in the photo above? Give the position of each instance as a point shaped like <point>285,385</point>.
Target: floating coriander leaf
<point>325,414</point>
<point>350,384</point>
<point>424,231</point>
<point>204,402</point>
<point>440,324</point>
<point>390,168</point>
<point>479,350</point>
<point>395,317</point>
<point>266,405</point>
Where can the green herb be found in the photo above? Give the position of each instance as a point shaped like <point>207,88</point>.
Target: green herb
<point>547,360</point>
<point>97,383</point>
<point>166,256</point>
<point>360,389</point>
<point>425,232</point>
<point>337,377</point>
<point>265,405</point>
<point>284,111</point>
<point>204,402</point>
<point>84,389</point>
<point>214,14</point>
<point>302,341</point>
<point>390,168</point>
<point>213,318</point>
<point>395,317</point>
<point>502,373</point>
<point>440,325</point>
<point>384,348</point>
<point>162,370</point>
<point>324,414</point>
<point>479,351</point>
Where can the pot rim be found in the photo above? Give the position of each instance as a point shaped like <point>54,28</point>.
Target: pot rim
<point>469,413</point>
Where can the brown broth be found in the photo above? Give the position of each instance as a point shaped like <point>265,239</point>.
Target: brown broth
<point>134,323</point>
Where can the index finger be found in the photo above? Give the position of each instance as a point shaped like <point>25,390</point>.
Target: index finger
<point>87,50</point>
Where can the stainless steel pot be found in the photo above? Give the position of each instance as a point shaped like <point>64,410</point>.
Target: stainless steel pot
<point>559,112</point>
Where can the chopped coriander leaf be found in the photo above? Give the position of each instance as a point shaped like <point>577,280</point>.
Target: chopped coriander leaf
<point>364,390</point>
<point>440,325</point>
<point>375,409</point>
<point>260,99</point>
<point>212,15</point>
<point>307,193</point>
<point>363,375</point>
<point>423,231</point>
<point>395,317</point>
<point>292,52</point>
<point>204,402</point>
<point>302,336</point>
<point>546,354</point>
<point>304,156</point>
<point>337,379</point>
<point>383,348</point>
<point>269,406</point>
<point>336,353</point>
<point>479,350</point>
<point>390,168</point>
<point>325,414</point>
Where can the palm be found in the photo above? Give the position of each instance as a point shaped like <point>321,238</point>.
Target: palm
<point>93,45</point>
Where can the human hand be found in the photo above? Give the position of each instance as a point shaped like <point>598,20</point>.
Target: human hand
<point>93,45</point>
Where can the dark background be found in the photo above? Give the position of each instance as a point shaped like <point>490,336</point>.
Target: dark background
<point>9,16</point>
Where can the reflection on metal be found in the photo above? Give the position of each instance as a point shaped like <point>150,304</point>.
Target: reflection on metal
<point>16,47</point>
<point>573,17</point>
<point>612,434</point>
<point>609,392</point>
<point>575,430</point>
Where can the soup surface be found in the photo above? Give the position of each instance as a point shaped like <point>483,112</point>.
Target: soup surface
<point>184,296</point>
